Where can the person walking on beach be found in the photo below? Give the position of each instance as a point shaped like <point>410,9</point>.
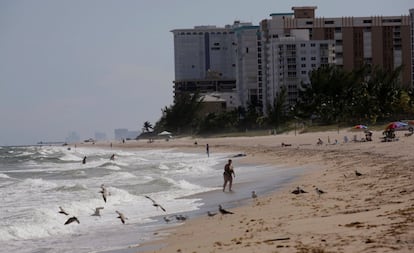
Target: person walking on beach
<point>208,150</point>
<point>228,175</point>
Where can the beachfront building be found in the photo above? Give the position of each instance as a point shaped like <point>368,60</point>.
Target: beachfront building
<point>254,63</point>
<point>249,66</point>
<point>378,40</point>
<point>290,58</point>
<point>204,60</point>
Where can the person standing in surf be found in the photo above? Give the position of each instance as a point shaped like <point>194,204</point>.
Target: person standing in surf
<point>208,150</point>
<point>228,175</point>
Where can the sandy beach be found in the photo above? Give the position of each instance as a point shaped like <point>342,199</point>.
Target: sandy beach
<point>373,212</point>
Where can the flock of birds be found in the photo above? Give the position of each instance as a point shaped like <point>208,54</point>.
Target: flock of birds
<point>318,191</point>
<point>105,193</point>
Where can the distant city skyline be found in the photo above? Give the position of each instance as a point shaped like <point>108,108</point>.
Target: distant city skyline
<point>95,66</point>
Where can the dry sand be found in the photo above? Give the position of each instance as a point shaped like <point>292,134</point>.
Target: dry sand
<point>369,213</point>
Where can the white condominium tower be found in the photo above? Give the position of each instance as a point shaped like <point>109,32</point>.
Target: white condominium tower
<point>205,59</point>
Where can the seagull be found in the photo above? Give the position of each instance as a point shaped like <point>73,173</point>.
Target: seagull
<point>62,211</point>
<point>104,192</point>
<point>97,211</point>
<point>223,211</point>
<point>181,217</point>
<point>121,216</point>
<point>72,219</point>
<point>167,219</point>
<point>299,190</point>
<point>155,203</point>
<point>254,195</point>
<point>358,174</point>
<point>210,214</point>
<point>319,191</point>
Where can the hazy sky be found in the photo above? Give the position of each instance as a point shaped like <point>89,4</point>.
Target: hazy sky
<point>96,65</point>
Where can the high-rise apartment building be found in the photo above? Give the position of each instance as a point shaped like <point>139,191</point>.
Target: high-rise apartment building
<point>253,63</point>
<point>378,40</point>
<point>289,56</point>
<point>248,65</point>
<point>205,59</point>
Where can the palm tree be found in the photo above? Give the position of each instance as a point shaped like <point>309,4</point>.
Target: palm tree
<point>147,126</point>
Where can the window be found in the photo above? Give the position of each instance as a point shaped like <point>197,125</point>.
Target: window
<point>329,22</point>
<point>313,58</point>
<point>312,44</point>
<point>302,45</point>
<point>309,22</point>
<point>291,74</point>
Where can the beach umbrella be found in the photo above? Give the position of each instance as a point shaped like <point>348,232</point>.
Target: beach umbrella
<point>363,127</point>
<point>395,125</point>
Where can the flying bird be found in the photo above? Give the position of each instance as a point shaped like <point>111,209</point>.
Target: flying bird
<point>104,192</point>
<point>62,211</point>
<point>154,203</point>
<point>319,191</point>
<point>97,211</point>
<point>121,216</point>
<point>358,174</point>
<point>299,190</point>
<point>72,219</point>
<point>223,211</point>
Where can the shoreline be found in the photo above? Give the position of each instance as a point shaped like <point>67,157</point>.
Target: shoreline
<point>369,213</point>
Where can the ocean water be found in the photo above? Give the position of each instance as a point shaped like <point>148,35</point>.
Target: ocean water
<point>35,181</point>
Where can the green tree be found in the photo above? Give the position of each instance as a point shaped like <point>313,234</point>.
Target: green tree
<point>181,117</point>
<point>147,127</point>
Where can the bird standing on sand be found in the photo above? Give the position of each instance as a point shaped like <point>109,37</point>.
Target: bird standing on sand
<point>104,192</point>
<point>299,190</point>
<point>358,174</point>
<point>154,203</point>
<point>319,191</point>
<point>254,195</point>
<point>210,214</point>
<point>224,211</point>
<point>72,219</point>
<point>181,217</point>
<point>167,219</point>
<point>97,211</point>
<point>62,211</point>
<point>121,216</point>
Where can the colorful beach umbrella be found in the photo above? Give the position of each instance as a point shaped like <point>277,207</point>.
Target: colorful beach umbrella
<point>395,125</point>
